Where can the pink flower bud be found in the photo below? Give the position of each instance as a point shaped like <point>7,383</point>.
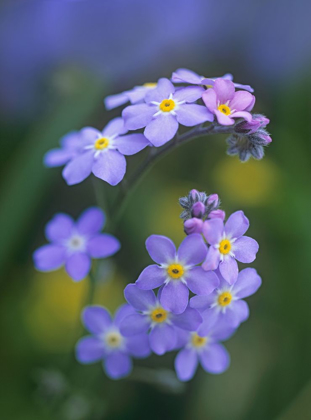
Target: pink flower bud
<point>214,214</point>
<point>193,225</point>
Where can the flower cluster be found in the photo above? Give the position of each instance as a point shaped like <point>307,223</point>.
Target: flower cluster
<point>198,304</point>
<point>159,109</point>
<point>191,298</point>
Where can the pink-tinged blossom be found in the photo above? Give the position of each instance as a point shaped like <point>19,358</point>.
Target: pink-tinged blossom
<point>164,109</point>
<point>134,96</point>
<point>203,347</point>
<point>150,316</point>
<point>202,83</point>
<point>227,244</point>
<point>227,104</point>
<point>74,244</point>
<point>103,153</point>
<point>177,271</point>
<point>225,304</point>
<point>107,343</point>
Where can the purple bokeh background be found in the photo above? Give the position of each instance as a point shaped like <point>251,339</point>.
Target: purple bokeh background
<point>130,42</point>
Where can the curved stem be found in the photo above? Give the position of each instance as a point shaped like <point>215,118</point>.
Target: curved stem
<point>127,186</point>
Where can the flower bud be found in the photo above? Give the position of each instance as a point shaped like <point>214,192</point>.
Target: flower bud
<point>258,121</point>
<point>213,200</point>
<point>193,225</point>
<point>217,214</point>
<point>198,209</point>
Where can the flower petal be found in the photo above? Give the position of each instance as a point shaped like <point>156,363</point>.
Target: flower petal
<point>113,101</point>
<point>103,245</point>
<point>174,297</point>
<point>131,144</point>
<point>241,100</point>
<point>122,312</point>
<point>162,91</point>
<point>201,282</point>
<point>59,228</point>
<point>189,320</point>
<point>239,312</point>
<point>224,90</point>
<point>79,168</point>
<point>161,129</point>
<point>161,249</point>
<point>96,319</point>
<point>110,166</point>
<point>162,338</point>
<point>186,76</point>
<point>134,324</point>
<point>192,250</point>
<point>78,266</point>
<point>242,114</point>
<point>57,157</point>
<point>247,284</point>
<point>224,119</point>
<point>138,116</point>
<point>91,221</point>
<point>213,230</point>
<point>49,257</point>
<point>89,350</point>
<point>237,224</point>
<point>186,364</point>
<point>141,300</point>
<point>189,93</point>
<point>115,126</point>
<point>118,365</point>
<point>151,277</point>
<point>138,345</point>
<point>215,359</point>
<point>210,99</point>
<point>202,302</point>
<point>212,259</point>
<point>229,269</point>
<point>193,114</point>
<point>245,249</point>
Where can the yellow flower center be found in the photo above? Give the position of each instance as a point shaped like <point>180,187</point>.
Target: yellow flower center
<point>224,109</point>
<point>114,339</point>
<point>101,143</point>
<point>208,86</point>
<point>224,298</point>
<point>225,246</point>
<point>159,315</point>
<point>175,271</point>
<point>167,105</point>
<point>198,341</point>
<point>149,85</point>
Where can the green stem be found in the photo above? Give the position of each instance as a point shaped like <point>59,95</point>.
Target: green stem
<point>129,185</point>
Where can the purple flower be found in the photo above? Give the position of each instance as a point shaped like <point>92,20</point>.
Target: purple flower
<point>203,348</point>
<point>163,111</point>
<point>103,152</point>
<point>177,271</point>
<point>151,316</point>
<point>134,96</point>
<point>228,245</point>
<point>203,83</point>
<point>226,104</point>
<point>74,244</point>
<point>224,304</point>
<point>107,343</point>
<point>70,147</point>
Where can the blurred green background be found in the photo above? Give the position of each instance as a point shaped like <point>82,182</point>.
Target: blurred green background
<point>59,59</point>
